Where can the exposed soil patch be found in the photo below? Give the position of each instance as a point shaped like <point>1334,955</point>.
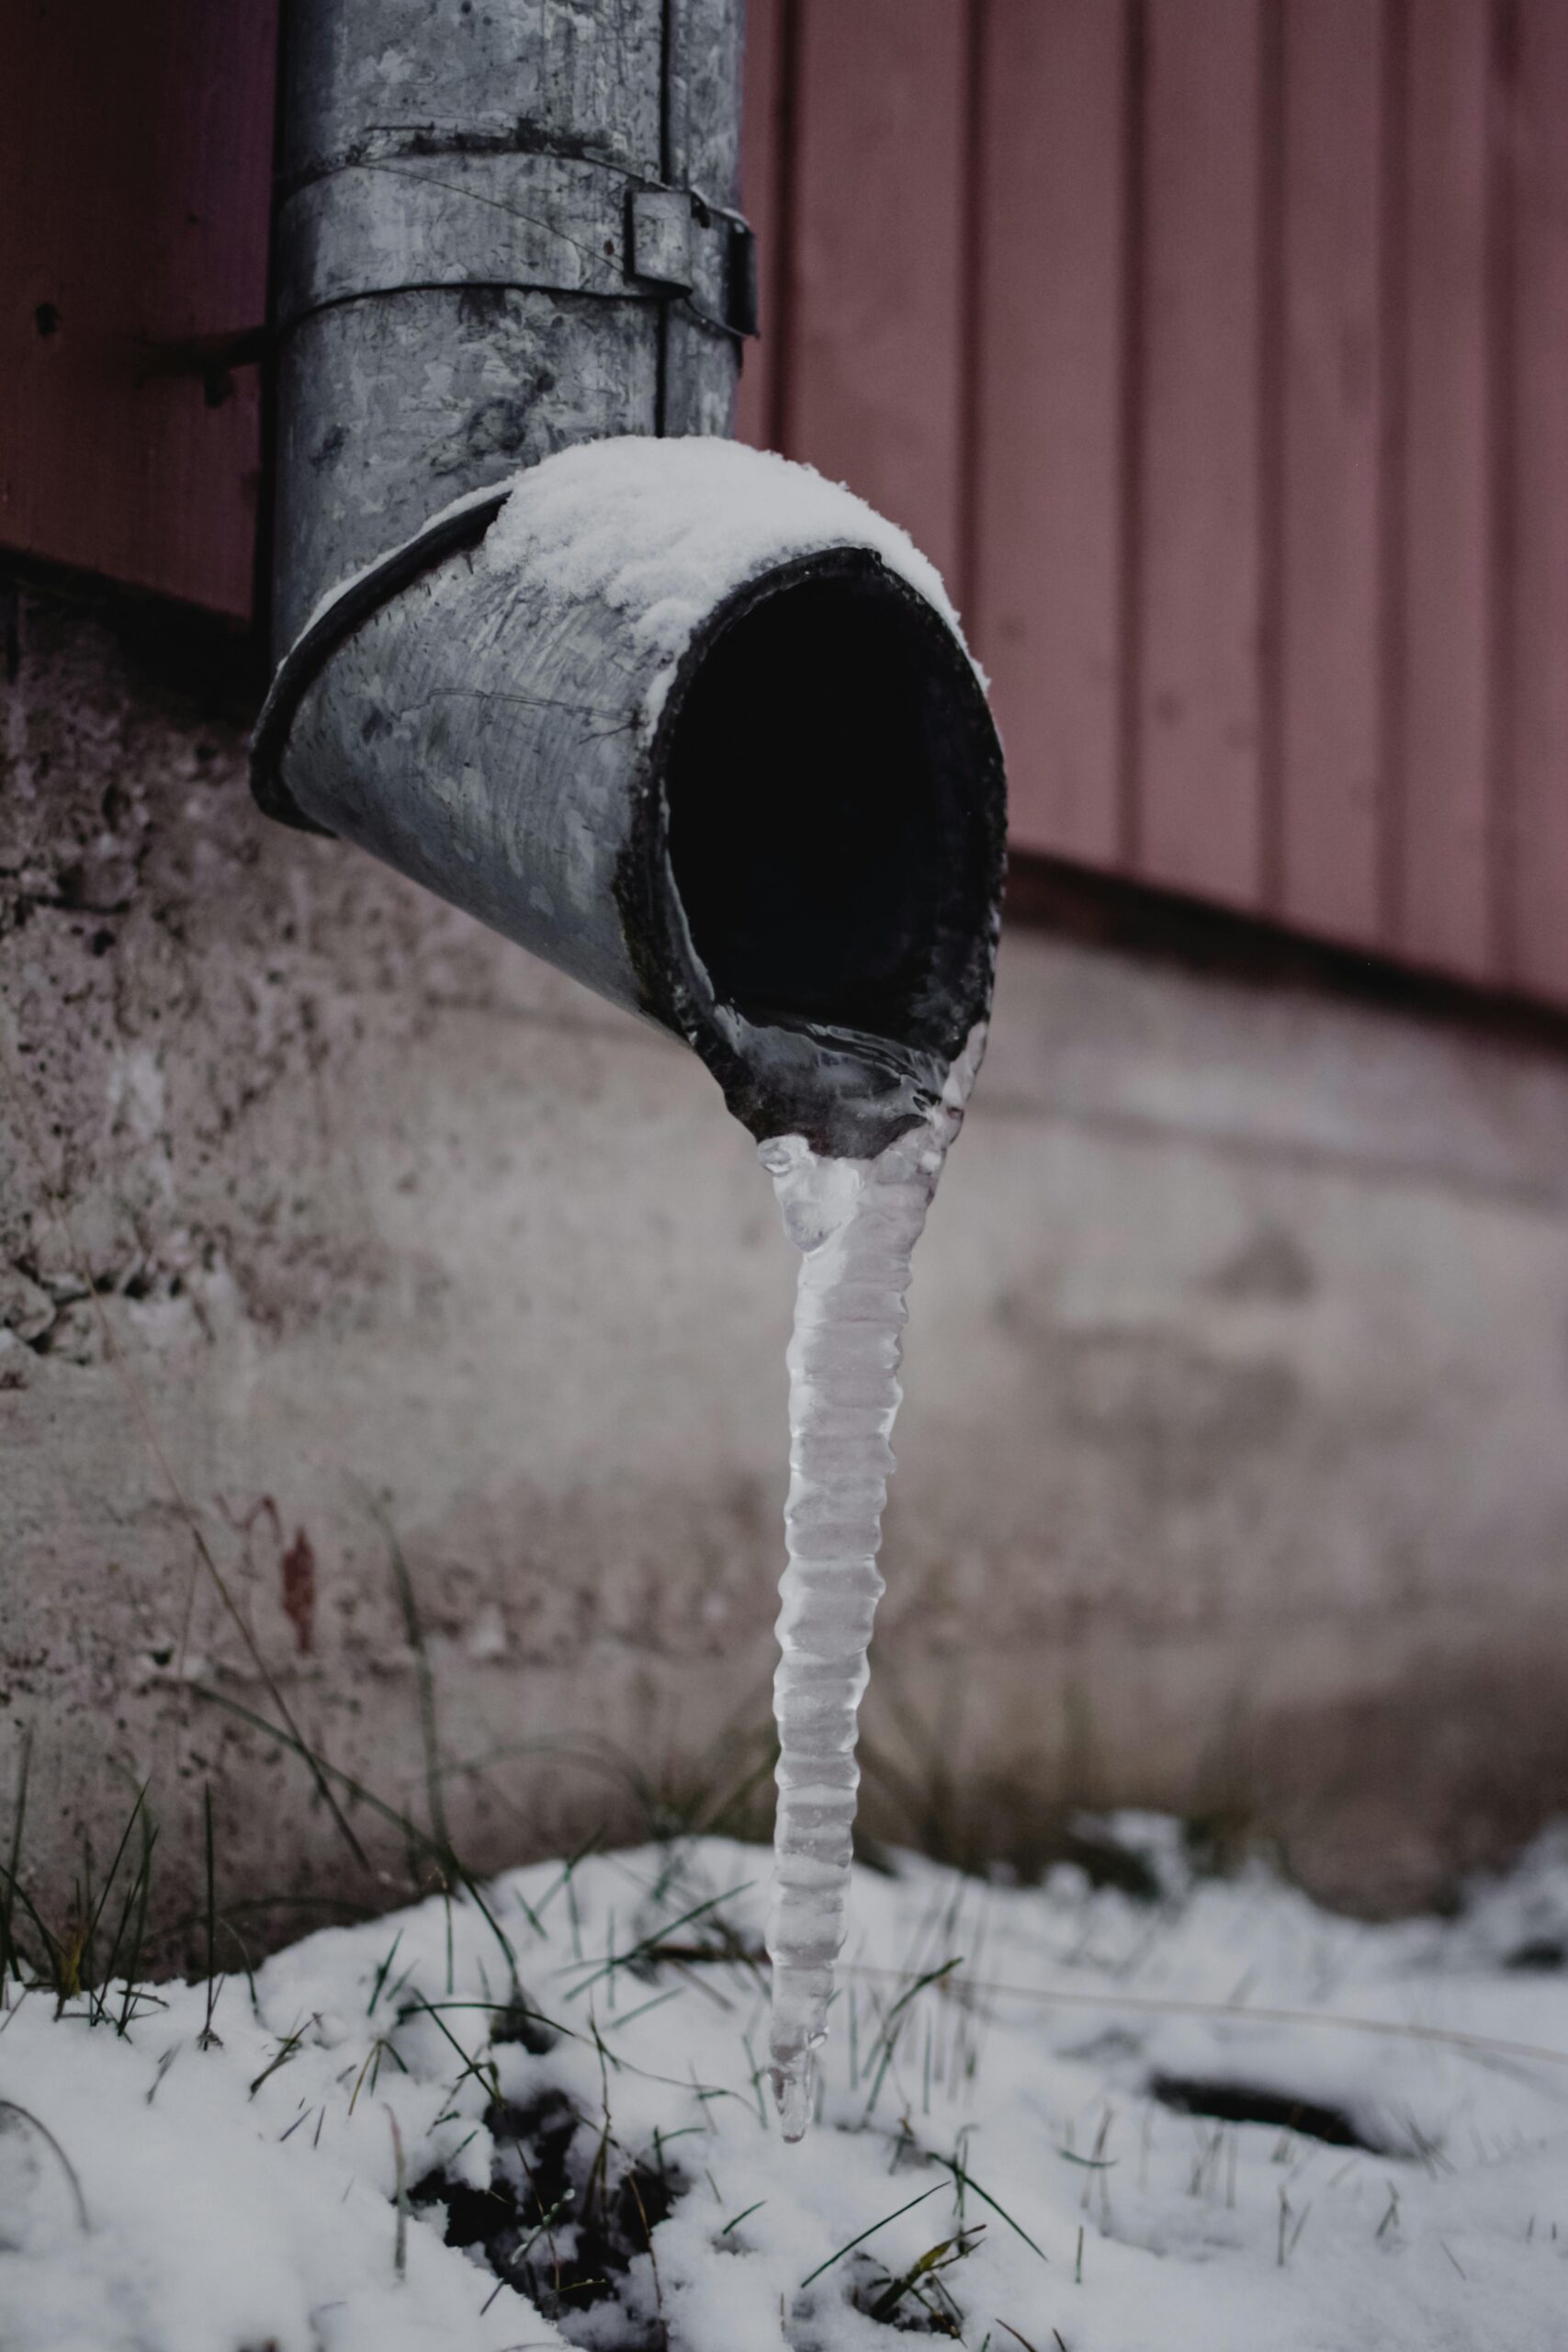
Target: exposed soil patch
<point>1249,2103</point>
<point>567,2214</point>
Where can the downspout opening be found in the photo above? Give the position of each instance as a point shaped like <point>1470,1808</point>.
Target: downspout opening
<point>831,783</point>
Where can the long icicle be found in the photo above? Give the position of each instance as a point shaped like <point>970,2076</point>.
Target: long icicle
<point>856,1223</point>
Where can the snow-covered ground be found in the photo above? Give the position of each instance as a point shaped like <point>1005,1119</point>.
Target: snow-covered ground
<point>577,2073</point>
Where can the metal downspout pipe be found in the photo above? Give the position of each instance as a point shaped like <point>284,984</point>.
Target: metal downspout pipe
<point>682,719</point>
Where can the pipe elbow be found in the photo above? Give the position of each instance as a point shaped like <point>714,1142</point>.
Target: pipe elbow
<point>701,729</point>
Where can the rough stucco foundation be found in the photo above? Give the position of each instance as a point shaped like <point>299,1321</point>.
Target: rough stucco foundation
<point>1232,1475</point>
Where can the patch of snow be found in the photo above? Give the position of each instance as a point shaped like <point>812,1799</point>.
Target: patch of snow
<point>243,2193</point>
<point>668,529</point>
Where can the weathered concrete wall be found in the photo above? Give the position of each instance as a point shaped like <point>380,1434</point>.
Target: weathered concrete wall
<point>1234,1471</point>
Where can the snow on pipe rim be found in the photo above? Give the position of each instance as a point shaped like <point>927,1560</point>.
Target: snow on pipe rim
<point>783,838</point>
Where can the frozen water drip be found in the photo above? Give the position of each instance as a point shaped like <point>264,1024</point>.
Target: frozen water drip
<point>855,1223</point>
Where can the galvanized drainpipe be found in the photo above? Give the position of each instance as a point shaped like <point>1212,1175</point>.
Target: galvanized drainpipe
<point>506,228</point>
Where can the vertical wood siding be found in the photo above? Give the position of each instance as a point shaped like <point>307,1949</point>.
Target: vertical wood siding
<point>1218,350</point>
<point>1441,912</point>
<point>135,178</point>
<point>1534,490</point>
<point>1045,592</point>
<point>1333,425</point>
<point>874,292</point>
<point>1198,757</point>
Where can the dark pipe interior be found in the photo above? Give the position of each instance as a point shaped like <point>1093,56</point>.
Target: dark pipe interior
<point>833,790</point>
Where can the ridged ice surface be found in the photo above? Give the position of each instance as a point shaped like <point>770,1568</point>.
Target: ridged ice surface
<point>856,1223</point>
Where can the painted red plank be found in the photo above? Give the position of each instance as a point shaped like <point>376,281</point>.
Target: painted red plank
<point>1198,811</point>
<point>1331,684</point>
<point>1048,412</point>
<point>135,169</point>
<point>1539,668</point>
<point>1442,884</point>
<point>761,130</point>
<point>874,384</point>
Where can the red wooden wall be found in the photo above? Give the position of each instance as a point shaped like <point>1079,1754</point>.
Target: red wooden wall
<point>1218,351</point>
<point>135,185</point>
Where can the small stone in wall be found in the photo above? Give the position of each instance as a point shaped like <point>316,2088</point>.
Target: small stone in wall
<point>26,1309</point>
<point>486,1635</point>
<point>298,1571</point>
